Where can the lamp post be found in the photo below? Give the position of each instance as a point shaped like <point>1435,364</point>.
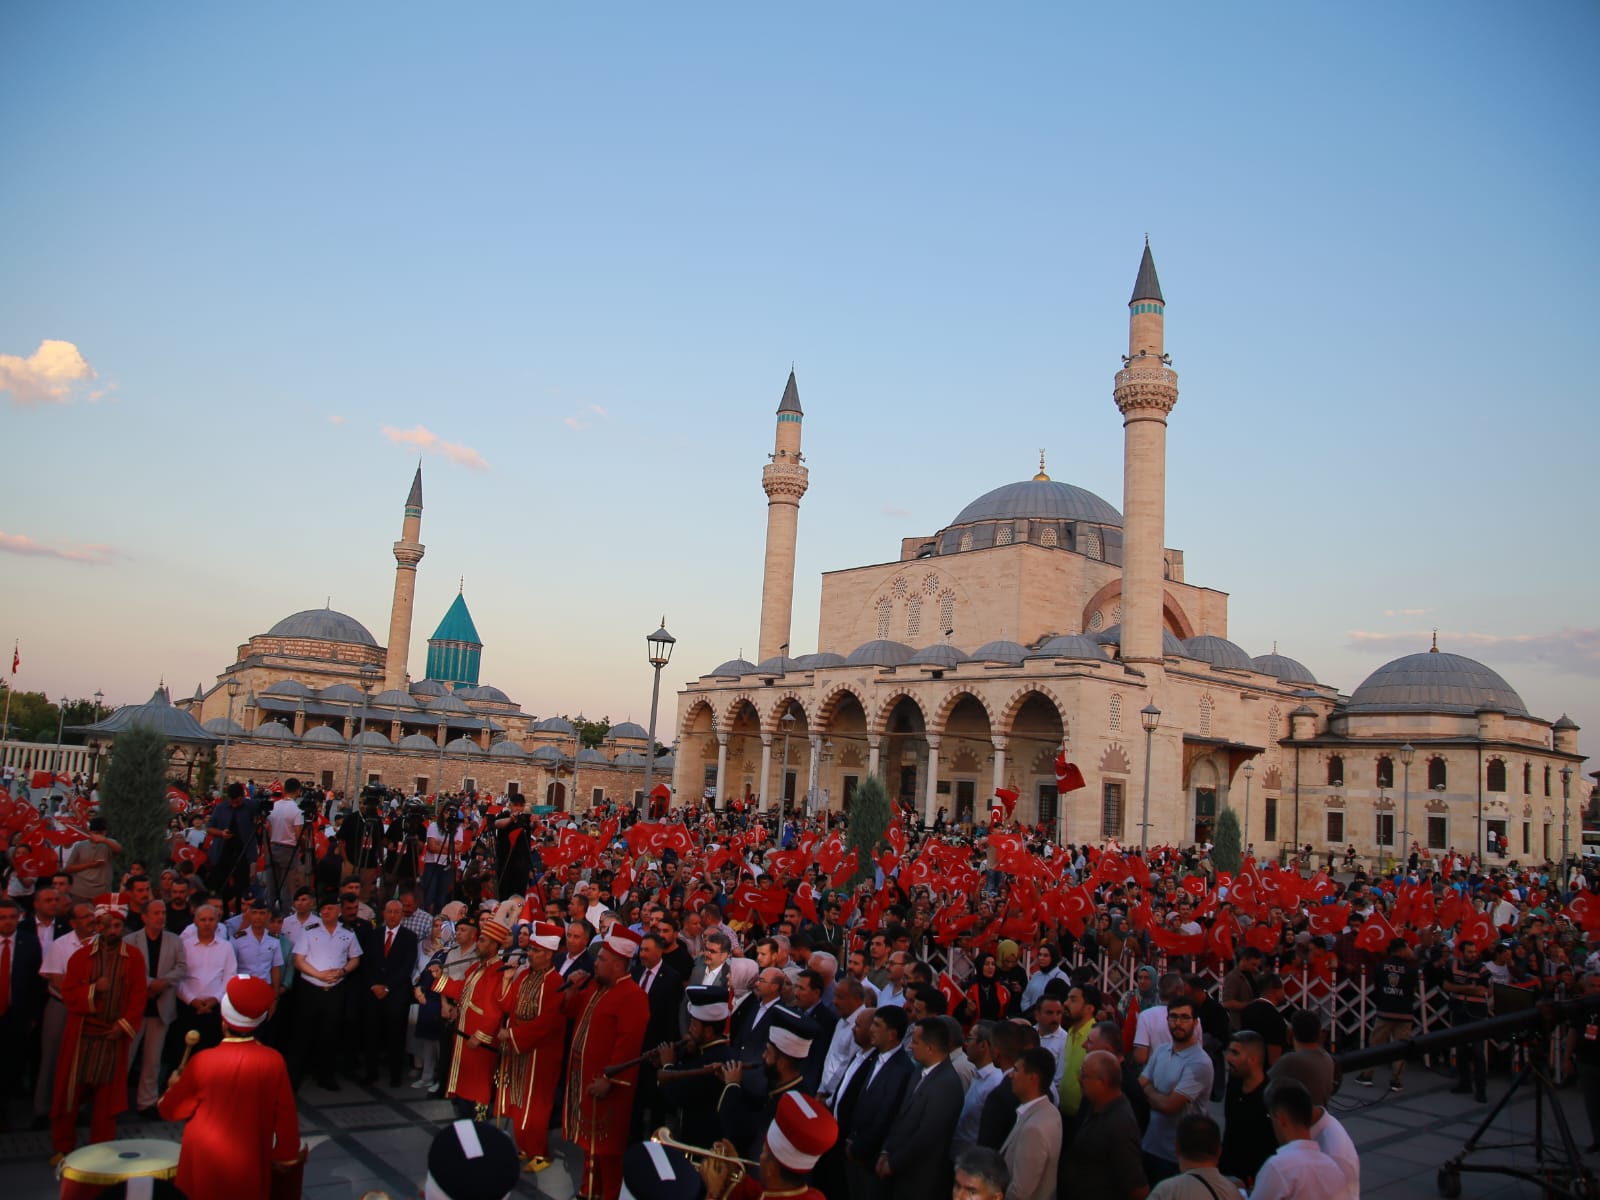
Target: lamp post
<point>1407,753</point>
<point>61,725</point>
<point>227,731</point>
<point>369,677</point>
<point>1249,774</point>
<point>94,756</point>
<point>1438,789</point>
<point>1566,817</point>
<point>658,653</point>
<point>783,771</point>
<point>577,749</point>
<point>1149,717</point>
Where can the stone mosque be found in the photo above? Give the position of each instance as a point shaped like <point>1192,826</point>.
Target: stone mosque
<point>316,697</point>
<point>1042,617</point>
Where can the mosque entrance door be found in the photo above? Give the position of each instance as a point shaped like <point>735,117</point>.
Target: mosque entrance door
<point>1048,799</point>
<point>1497,830</point>
<point>555,795</point>
<point>966,793</point>
<point>1205,813</point>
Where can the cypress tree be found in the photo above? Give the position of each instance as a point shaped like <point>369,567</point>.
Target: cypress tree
<point>133,798</point>
<point>869,821</point>
<point>1227,849</point>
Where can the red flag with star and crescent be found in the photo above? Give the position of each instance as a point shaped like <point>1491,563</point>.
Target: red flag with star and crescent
<point>1068,777</point>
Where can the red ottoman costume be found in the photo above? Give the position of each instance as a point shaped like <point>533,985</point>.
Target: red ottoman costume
<point>479,998</point>
<point>611,1027</point>
<point>536,1030</point>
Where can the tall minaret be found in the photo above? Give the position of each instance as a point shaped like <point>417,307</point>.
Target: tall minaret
<point>407,554</point>
<point>1147,388</point>
<point>784,480</point>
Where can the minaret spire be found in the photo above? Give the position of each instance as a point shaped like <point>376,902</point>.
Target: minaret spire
<point>1146,391</point>
<point>784,480</point>
<point>408,553</point>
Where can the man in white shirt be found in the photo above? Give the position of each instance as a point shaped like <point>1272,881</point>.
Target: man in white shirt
<point>1052,1036</point>
<point>1299,1170</point>
<point>46,907</point>
<point>849,998</point>
<point>1151,1032</point>
<point>893,992</point>
<point>328,953</point>
<point>985,1076</point>
<point>1334,1141</point>
<point>209,962</point>
<point>857,1030</point>
<point>53,1023</point>
<point>438,864</point>
<point>284,822</point>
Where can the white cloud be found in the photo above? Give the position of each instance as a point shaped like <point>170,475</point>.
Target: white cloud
<point>335,419</point>
<point>890,510</point>
<point>47,376</point>
<point>599,412</point>
<point>21,543</point>
<point>426,440</point>
<point>574,424</point>
<point>1573,651</point>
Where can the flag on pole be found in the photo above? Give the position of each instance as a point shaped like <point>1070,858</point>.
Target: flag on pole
<point>1068,777</point>
<point>16,656</point>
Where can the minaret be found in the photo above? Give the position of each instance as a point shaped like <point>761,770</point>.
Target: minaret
<point>1146,390</point>
<point>407,554</point>
<point>784,480</point>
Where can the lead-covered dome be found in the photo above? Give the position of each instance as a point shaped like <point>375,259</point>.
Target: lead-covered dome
<point>1290,670</point>
<point>1039,500</point>
<point>880,653</point>
<point>1070,645</point>
<point>323,624</point>
<point>1219,652</point>
<point>1435,682</point>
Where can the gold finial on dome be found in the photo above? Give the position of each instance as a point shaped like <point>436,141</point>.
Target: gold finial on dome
<point>1435,648</point>
<point>1041,477</point>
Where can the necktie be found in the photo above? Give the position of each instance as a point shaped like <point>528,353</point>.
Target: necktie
<point>388,941</point>
<point>649,978</point>
<point>5,975</point>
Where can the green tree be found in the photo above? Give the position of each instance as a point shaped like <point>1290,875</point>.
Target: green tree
<point>133,796</point>
<point>870,816</point>
<point>590,733</point>
<point>35,717</point>
<point>1227,849</point>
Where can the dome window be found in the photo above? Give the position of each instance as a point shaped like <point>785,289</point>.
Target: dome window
<point>1097,622</point>
<point>1003,535</point>
<point>966,539</point>
<point>1048,538</point>
<point>1089,542</point>
<point>1336,775</point>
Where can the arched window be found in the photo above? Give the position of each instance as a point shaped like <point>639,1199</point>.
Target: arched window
<point>1438,777</point>
<point>1495,777</point>
<point>1335,771</point>
<point>914,617</point>
<point>1527,779</point>
<point>1048,537</point>
<point>1089,540</point>
<point>947,612</point>
<point>1002,536</point>
<point>966,540</point>
<point>884,609</point>
<point>1385,771</point>
<point>1547,779</point>
<point>1116,712</point>
<point>1205,716</point>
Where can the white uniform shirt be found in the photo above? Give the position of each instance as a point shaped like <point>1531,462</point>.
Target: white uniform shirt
<point>327,951</point>
<point>56,958</point>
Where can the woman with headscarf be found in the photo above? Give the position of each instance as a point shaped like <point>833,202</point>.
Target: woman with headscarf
<point>742,974</point>
<point>426,1011</point>
<point>987,999</point>
<point>1008,963</point>
<point>1046,966</point>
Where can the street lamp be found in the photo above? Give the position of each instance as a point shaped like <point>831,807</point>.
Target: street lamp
<point>369,678</point>
<point>61,725</point>
<point>1566,817</point>
<point>1249,773</point>
<point>1407,753</point>
<point>658,653</point>
<point>827,759</point>
<point>1439,790</point>
<point>227,730</point>
<point>1149,717</point>
<point>783,772</point>
<point>94,757</point>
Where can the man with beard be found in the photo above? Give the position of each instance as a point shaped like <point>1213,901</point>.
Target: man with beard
<point>480,1012</point>
<point>532,1042</point>
<point>612,1013</point>
<point>104,990</point>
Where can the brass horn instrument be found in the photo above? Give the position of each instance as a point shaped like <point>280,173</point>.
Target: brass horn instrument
<point>737,1167</point>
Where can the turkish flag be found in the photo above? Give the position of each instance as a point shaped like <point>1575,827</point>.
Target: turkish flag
<point>622,880</point>
<point>1329,919</point>
<point>805,899</point>
<point>743,901</point>
<point>1263,937</point>
<point>1376,934</point>
<point>1068,777</point>
<point>1195,885</point>
<point>951,990</point>
<point>1219,940</point>
<point>1478,929</point>
<point>1450,910</point>
<point>996,815</point>
<point>1007,798</point>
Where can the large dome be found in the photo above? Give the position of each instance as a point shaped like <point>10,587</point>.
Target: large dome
<point>1039,500</point>
<point>1435,682</point>
<point>323,624</point>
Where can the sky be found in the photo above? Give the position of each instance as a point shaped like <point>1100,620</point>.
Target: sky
<point>259,260</point>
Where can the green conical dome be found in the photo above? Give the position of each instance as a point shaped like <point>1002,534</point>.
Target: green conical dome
<point>457,625</point>
<point>455,648</point>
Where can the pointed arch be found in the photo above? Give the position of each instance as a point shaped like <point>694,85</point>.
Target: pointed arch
<point>942,711</point>
<point>736,705</point>
<point>878,723</point>
<point>779,706</point>
<point>1008,713</point>
<point>828,706</point>
<point>1174,619</point>
<point>692,714</point>
<point>1115,761</point>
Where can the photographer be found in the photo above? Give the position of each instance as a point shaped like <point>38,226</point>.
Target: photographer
<point>362,836</point>
<point>405,838</point>
<point>513,843</point>
<point>233,844</point>
<point>285,820</point>
<point>443,851</point>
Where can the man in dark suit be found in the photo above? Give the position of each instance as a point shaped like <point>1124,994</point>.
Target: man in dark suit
<point>663,987</point>
<point>388,957</point>
<point>915,1158</point>
<point>21,999</point>
<point>808,1002</point>
<point>576,956</point>
<point>878,1088</point>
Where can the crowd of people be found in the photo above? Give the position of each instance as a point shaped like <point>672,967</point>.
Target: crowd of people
<point>983,1013</point>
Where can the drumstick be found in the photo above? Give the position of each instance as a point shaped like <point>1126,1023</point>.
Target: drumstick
<point>190,1041</point>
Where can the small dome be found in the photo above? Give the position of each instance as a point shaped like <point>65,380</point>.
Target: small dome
<point>287,687</point>
<point>1219,652</point>
<point>371,738</point>
<point>1283,667</point>
<point>428,687</point>
<point>735,666</point>
<point>880,653</point>
<point>1171,644</point>
<point>629,758</point>
<point>1564,723</point>
<point>485,692</point>
<point>273,731</point>
<point>323,624</point>
<point>555,725</point>
<point>324,733</point>
<point>594,756</point>
<point>1070,645</point>
<point>1435,682</point>
<point>462,745</point>
<point>393,698</point>
<point>507,749</point>
<point>1039,500</point>
<point>418,741</point>
<point>448,703</point>
<point>940,655</point>
<point>776,665</point>
<point>1001,652</point>
<point>825,658</point>
<point>547,754</point>
<point>341,693</point>
<point>223,727</point>
<point>664,765</point>
<point>630,729</point>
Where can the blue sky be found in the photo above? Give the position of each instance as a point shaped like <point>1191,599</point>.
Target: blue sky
<point>581,248</point>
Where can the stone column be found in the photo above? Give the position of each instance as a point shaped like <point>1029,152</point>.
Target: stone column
<point>999,744</point>
<point>930,804</point>
<point>766,768</point>
<point>721,801</point>
<point>811,770</point>
<point>874,741</point>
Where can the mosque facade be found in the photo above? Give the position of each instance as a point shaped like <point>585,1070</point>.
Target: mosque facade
<point>1043,617</point>
<point>316,697</point>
